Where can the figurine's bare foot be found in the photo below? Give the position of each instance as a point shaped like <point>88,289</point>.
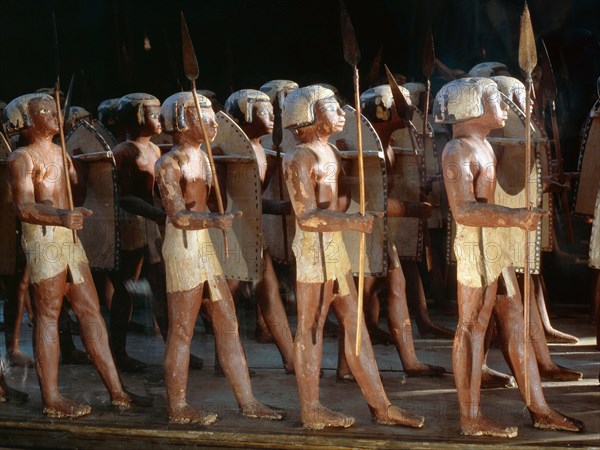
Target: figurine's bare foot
<point>64,408</point>
<point>482,427</point>
<point>558,337</point>
<point>320,417</point>
<point>126,363</point>
<point>343,376</point>
<point>196,363</point>
<point>379,336</point>
<point>424,370</point>
<point>433,331</point>
<point>491,379</point>
<point>16,358</point>
<point>559,373</point>
<point>187,414</point>
<point>125,400</point>
<point>258,410</point>
<point>74,356</point>
<point>397,416</point>
<point>556,421</point>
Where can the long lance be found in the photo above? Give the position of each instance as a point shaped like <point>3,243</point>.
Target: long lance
<point>191,70</point>
<point>428,66</point>
<point>527,62</point>
<point>277,139</point>
<point>352,56</point>
<point>61,131</point>
<point>68,97</point>
<point>550,93</point>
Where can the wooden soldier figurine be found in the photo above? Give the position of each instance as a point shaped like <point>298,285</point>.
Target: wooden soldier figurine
<point>474,108</point>
<point>312,172</point>
<point>192,267</point>
<point>253,112</point>
<point>377,105</point>
<point>54,257</point>
<point>135,158</point>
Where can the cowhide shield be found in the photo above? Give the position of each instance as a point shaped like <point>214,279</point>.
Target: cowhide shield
<point>99,235</point>
<point>509,146</point>
<point>243,187</point>
<point>110,138</point>
<point>273,225</point>
<point>589,164</point>
<point>594,260</point>
<point>8,217</point>
<point>542,146</point>
<point>432,162</point>
<point>375,188</point>
<point>409,177</point>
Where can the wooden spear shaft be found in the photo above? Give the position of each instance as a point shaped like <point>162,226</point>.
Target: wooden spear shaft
<point>361,182</point>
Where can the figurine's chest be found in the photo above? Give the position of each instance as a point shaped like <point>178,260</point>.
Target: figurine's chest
<point>196,168</point>
<point>48,170</point>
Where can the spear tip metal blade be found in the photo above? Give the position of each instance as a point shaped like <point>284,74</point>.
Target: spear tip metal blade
<point>428,56</point>
<point>404,110</point>
<point>351,50</point>
<point>190,63</point>
<point>527,51</point>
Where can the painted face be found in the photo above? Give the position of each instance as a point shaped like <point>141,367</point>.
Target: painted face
<point>43,115</point>
<point>262,117</point>
<point>209,119</point>
<point>495,108</point>
<point>151,119</point>
<point>329,116</point>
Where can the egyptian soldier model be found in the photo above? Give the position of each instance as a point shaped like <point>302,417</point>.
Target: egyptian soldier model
<point>377,105</point>
<point>324,276</point>
<point>515,93</point>
<point>54,257</point>
<point>140,236</point>
<point>253,112</point>
<point>192,268</point>
<point>474,108</point>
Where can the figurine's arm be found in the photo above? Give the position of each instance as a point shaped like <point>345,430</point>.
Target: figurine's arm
<point>21,170</point>
<point>125,155</point>
<point>299,177</point>
<point>459,181</point>
<point>168,178</point>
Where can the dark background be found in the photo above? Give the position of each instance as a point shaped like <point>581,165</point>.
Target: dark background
<point>242,44</point>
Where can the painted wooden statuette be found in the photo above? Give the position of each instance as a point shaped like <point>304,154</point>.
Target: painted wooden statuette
<point>56,260</point>
<point>474,107</point>
<point>324,279</point>
<point>192,268</point>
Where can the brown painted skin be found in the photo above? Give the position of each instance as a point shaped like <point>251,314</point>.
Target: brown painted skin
<point>185,190</point>
<point>135,159</point>
<point>315,198</point>
<point>41,200</point>
<point>270,305</point>
<point>470,195</point>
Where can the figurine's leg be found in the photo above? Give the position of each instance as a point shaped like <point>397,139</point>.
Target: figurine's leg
<point>271,306</point>
<point>475,307</point>
<point>183,310</point>
<point>490,378</point>
<point>121,309</point>
<point>313,301</point>
<point>14,307</point>
<point>232,358</point>
<point>416,296</point>
<point>552,334</point>
<point>401,328</point>
<point>596,303</point>
<point>85,304</point>
<point>48,298</point>
<point>547,368</point>
<point>364,367</point>
<point>372,307</point>
<point>509,312</point>
<point>262,333</point>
